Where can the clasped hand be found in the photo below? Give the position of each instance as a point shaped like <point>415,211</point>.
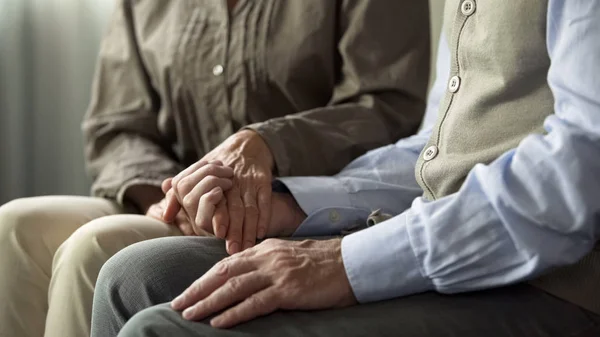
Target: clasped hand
<point>228,193</point>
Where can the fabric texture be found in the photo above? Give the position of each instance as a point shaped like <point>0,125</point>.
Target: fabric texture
<point>176,78</point>
<point>51,251</point>
<point>531,213</point>
<point>128,302</point>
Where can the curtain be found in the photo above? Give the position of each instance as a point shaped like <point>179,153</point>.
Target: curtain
<point>48,50</point>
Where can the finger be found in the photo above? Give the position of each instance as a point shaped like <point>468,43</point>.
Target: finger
<point>166,185</point>
<point>191,201</point>
<point>264,210</point>
<point>250,219</point>
<point>206,208</point>
<point>155,212</point>
<point>220,220</point>
<point>186,229</point>
<point>184,186</point>
<point>260,304</point>
<point>173,207</point>
<point>209,282</point>
<point>192,168</point>
<point>234,290</point>
<point>236,221</point>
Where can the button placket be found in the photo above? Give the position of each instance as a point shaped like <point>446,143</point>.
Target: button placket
<point>466,8</point>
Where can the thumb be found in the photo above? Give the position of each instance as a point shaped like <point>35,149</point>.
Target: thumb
<point>173,207</point>
<point>166,185</point>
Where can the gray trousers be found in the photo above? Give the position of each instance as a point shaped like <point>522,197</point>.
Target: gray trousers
<point>134,283</point>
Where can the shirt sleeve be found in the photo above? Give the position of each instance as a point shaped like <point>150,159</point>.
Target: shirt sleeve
<point>123,146</point>
<point>379,96</point>
<point>534,208</point>
<point>381,179</point>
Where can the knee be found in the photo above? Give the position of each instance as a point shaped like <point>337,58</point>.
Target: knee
<point>133,274</point>
<point>91,245</point>
<point>19,223</point>
<point>120,271</point>
<point>161,320</point>
<point>149,272</point>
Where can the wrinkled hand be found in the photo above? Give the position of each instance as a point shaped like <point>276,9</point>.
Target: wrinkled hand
<point>243,215</point>
<point>180,220</point>
<point>196,194</point>
<point>275,274</point>
<point>285,218</point>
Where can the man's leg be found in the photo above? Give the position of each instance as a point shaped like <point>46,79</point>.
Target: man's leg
<point>156,271</point>
<point>149,273</point>
<point>519,311</point>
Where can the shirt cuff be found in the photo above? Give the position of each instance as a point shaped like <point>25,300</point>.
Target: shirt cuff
<point>380,262</point>
<point>326,203</point>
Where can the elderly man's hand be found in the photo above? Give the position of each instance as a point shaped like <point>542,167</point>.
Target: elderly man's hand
<point>275,274</point>
<point>243,215</point>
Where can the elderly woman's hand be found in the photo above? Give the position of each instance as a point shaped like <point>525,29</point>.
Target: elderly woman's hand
<point>243,214</point>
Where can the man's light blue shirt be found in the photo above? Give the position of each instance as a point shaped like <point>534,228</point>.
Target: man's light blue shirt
<point>535,207</point>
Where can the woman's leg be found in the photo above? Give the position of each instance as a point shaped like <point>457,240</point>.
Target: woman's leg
<point>77,264</point>
<point>31,230</point>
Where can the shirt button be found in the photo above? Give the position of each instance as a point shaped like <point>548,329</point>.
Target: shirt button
<point>430,153</point>
<point>334,216</point>
<point>218,70</point>
<point>454,84</point>
<point>467,7</point>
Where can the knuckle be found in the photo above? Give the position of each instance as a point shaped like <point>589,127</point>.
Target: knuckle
<point>206,198</point>
<point>211,180</point>
<point>251,209</point>
<point>234,284</point>
<point>211,169</point>
<point>236,207</point>
<point>264,202</point>
<point>264,303</point>
<point>263,178</point>
<point>271,243</point>
<point>188,201</point>
<point>222,268</point>
<point>184,185</point>
<point>256,301</point>
<point>194,289</point>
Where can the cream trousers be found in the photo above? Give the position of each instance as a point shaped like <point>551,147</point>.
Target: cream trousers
<point>51,250</point>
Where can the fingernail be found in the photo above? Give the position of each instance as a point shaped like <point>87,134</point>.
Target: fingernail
<point>234,248</point>
<point>222,231</point>
<point>216,322</point>
<point>188,313</point>
<point>248,244</point>
<point>177,302</point>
